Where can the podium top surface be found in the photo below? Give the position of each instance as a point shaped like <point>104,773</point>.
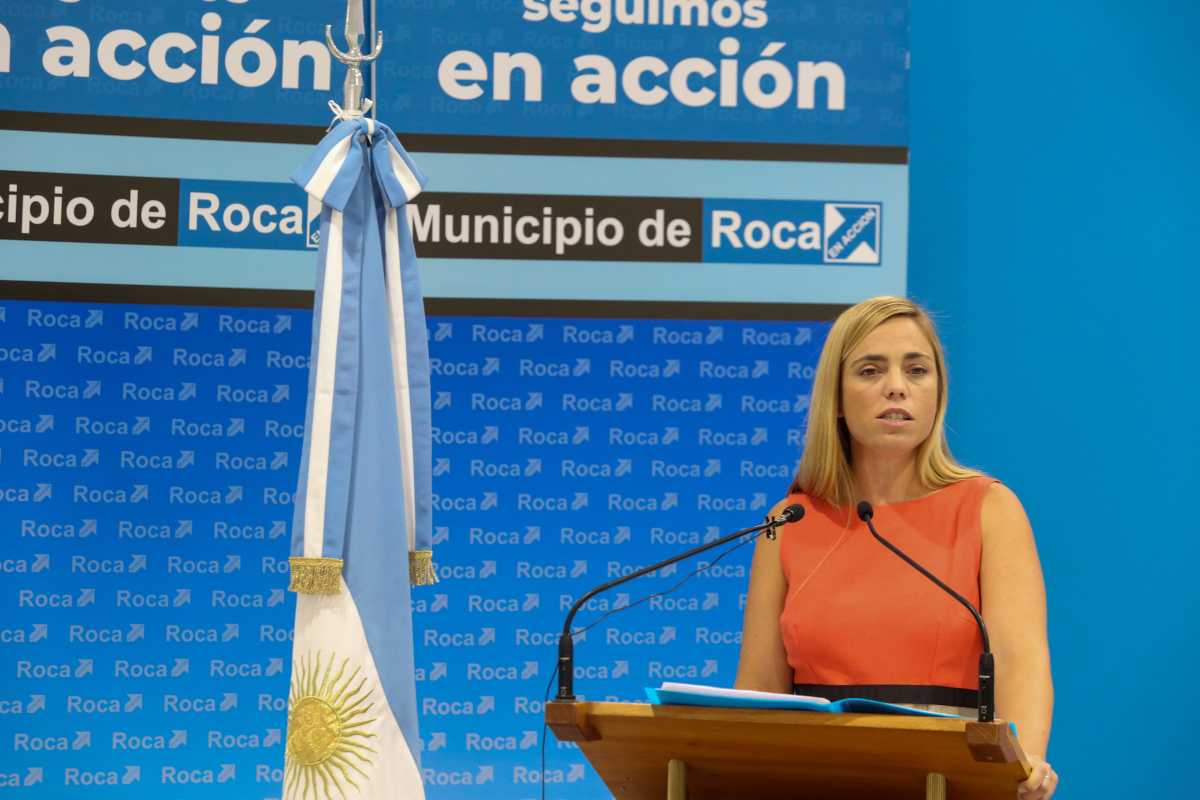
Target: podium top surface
<point>771,754</point>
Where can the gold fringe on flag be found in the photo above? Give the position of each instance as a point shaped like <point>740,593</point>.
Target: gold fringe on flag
<point>420,568</point>
<point>315,575</point>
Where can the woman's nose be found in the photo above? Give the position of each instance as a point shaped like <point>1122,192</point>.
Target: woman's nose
<point>895,385</point>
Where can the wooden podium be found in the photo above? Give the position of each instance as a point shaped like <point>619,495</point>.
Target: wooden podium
<point>654,752</point>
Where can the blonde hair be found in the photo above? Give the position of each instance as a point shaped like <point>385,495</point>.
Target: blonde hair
<point>825,465</point>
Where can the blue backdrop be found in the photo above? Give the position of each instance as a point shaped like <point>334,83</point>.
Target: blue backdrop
<point>1048,201</point>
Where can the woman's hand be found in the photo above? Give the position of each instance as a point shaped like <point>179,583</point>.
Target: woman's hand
<point>1041,783</point>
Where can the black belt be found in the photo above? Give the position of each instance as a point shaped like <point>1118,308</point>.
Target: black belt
<point>893,693</point>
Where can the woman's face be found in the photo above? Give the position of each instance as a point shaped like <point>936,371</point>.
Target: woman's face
<point>890,388</point>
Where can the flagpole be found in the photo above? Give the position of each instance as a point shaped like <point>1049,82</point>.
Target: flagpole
<point>353,102</point>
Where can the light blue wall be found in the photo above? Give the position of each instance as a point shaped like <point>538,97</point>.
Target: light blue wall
<point>1053,226</point>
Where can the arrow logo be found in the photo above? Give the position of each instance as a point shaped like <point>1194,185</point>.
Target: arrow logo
<point>178,739</point>
<point>44,491</point>
<point>187,458</point>
<point>445,330</point>
<point>441,466</point>
<point>582,434</point>
<point>48,352</point>
<point>33,776</point>
<point>86,598</point>
<point>536,331</point>
<point>278,528</point>
<point>490,500</point>
<point>713,467</point>
<point>711,601</point>
<point>137,630</point>
<point>579,501</point>
<point>488,569</point>
<point>283,322</point>
<point>184,528</point>
<point>181,667</point>
<point>487,636</point>
<point>87,529</point>
<point>439,671</point>
<point>140,425</point>
<point>237,357</point>
<point>532,600</point>
<point>442,400</point>
<point>133,702</point>
<point>144,355</point>
<point>716,333</point>
<point>486,703</point>
<point>624,534</point>
<point>533,533</point>
<point>624,334</point>
<point>91,389</point>
<point>282,392</point>
<point>672,367</point>
<point>84,666</point>
<point>491,365</point>
<point>45,423</point>
<point>133,774</point>
<point>40,631</point>
<point>583,366</point>
<point>95,316</point>
<point>236,426</point>
<point>231,632</point>
<point>191,320</point>
<point>41,561</point>
<point>275,598</point>
<point>534,401</point>
<point>229,701</point>
<point>233,563</point>
<point>579,567</point>
<point>182,597</point>
<point>440,603</point>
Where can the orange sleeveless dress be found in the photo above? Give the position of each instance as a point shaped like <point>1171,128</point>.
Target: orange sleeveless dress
<point>859,622</point>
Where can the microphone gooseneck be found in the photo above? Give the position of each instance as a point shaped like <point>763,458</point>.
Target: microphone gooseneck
<point>566,645</point>
<point>987,663</point>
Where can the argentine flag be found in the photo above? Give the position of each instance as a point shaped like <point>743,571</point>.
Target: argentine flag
<point>363,507</point>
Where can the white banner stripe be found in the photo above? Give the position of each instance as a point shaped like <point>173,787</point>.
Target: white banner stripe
<point>322,417</point>
<point>408,181</point>
<point>404,420</point>
<point>319,183</point>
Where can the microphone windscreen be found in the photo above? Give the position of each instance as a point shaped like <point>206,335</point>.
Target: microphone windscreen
<point>793,513</point>
<point>865,512</point>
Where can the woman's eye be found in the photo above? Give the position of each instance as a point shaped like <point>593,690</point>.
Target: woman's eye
<point>868,372</point>
<point>919,370</point>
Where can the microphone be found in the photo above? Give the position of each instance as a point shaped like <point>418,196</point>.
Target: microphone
<point>566,645</point>
<point>987,663</point>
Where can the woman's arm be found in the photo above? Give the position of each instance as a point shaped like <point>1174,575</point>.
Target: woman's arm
<point>763,663</point>
<point>1014,608</point>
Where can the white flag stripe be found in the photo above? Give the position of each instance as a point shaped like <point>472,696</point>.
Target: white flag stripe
<point>322,417</point>
<point>319,183</point>
<point>331,625</point>
<point>408,181</point>
<point>404,421</point>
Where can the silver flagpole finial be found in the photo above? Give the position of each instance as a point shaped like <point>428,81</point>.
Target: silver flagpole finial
<point>353,103</point>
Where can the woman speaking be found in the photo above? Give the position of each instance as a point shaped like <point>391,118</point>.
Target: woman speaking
<point>832,613</point>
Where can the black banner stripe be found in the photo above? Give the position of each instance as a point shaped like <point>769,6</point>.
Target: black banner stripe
<point>451,143</point>
<point>434,306</point>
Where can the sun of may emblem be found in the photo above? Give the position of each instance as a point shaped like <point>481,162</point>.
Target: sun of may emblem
<point>329,710</point>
